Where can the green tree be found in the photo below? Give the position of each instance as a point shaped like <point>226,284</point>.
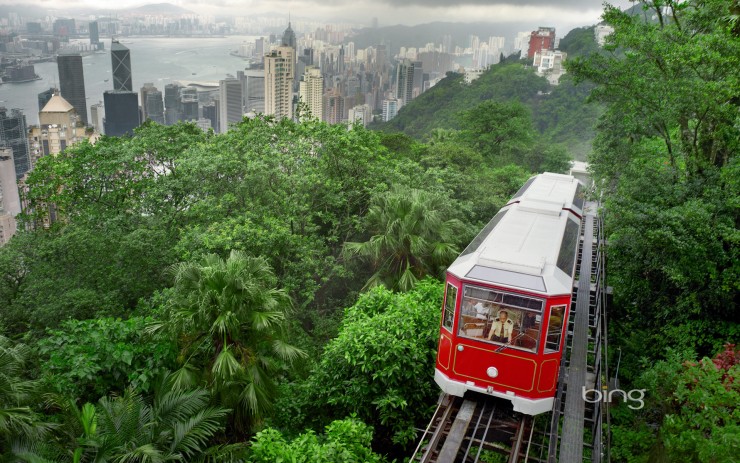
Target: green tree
<point>230,317</point>
<point>17,393</point>
<point>692,405</point>
<point>176,425</point>
<point>503,132</point>
<point>665,157</point>
<point>344,441</point>
<point>91,358</point>
<point>381,365</point>
<point>413,235</point>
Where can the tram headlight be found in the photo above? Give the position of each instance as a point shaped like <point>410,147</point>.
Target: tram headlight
<point>492,372</point>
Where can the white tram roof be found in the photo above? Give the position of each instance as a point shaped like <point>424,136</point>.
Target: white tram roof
<point>531,243</point>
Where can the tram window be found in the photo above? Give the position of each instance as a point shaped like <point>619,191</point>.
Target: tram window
<point>500,318</point>
<point>555,328</point>
<point>567,256</point>
<point>481,237</point>
<point>449,307</point>
<point>580,197</point>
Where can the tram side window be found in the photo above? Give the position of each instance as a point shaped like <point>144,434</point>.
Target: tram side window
<point>555,328</point>
<point>490,316</point>
<point>449,307</point>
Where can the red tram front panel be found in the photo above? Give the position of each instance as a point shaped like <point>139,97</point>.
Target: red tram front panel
<point>502,342</point>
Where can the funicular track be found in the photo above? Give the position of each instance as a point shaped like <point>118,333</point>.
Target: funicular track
<point>466,430</point>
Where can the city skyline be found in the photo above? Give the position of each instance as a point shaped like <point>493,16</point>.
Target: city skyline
<point>562,14</point>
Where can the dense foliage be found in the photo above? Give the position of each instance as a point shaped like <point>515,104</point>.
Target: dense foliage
<point>381,364</point>
<point>665,157</point>
<point>344,441</point>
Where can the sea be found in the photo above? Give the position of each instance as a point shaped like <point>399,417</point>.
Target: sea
<point>153,59</point>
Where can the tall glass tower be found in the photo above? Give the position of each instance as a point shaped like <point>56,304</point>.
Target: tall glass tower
<point>72,83</point>
<point>121,60</point>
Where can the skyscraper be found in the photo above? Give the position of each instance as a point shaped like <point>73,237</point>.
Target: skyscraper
<point>253,89</point>
<point>143,92</point>
<point>289,39</point>
<point>121,112</point>
<point>172,111</point>
<point>312,91</point>
<point>121,61</point>
<point>278,83</point>
<point>189,103</point>
<point>154,106</point>
<point>10,204</point>
<point>333,106</point>
<point>97,114</point>
<point>57,129</point>
<point>210,112</point>
<point>541,39</point>
<point>230,98</point>
<point>405,81</point>
<point>390,109</point>
<point>72,83</point>
<point>13,135</point>
<point>94,34</point>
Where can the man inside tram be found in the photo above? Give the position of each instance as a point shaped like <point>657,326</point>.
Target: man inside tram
<point>501,328</point>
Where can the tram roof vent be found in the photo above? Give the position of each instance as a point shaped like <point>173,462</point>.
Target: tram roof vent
<point>515,262</point>
<point>541,206</point>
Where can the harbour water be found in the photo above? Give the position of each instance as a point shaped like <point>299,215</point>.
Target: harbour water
<point>156,60</point>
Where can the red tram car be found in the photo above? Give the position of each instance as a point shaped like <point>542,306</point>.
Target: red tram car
<point>507,298</point>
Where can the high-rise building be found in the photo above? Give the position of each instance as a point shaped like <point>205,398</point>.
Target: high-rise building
<point>333,106</point>
<point>361,114</point>
<point>97,114</point>
<point>278,83</point>
<point>154,106</point>
<point>72,83</point>
<point>390,109</point>
<point>94,34</point>
<point>253,91</point>
<point>121,112</point>
<point>64,27</point>
<point>405,81</point>
<point>417,83</point>
<point>230,98</point>
<point>189,103</point>
<point>312,91</point>
<point>172,110</point>
<point>210,112</point>
<point>521,42</point>
<point>10,203</point>
<point>57,129</point>
<point>143,92</point>
<point>540,40</point>
<point>289,39</point>
<point>13,135</point>
<point>121,61</point>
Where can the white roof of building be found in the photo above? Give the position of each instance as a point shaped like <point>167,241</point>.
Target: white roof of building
<point>521,246</point>
<point>57,104</point>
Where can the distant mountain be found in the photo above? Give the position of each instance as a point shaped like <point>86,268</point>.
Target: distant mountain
<point>420,35</point>
<point>35,12</point>
<point>159,9</point>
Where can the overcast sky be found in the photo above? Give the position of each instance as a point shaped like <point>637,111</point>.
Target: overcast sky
<point>560,13</point>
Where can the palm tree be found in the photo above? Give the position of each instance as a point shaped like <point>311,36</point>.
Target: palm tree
<point>176,426</point>
<point>412,237</point>
<point>229,314</point>
<point>17,420</point>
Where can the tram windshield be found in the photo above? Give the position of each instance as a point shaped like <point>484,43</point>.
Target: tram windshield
<point>500,318</point>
